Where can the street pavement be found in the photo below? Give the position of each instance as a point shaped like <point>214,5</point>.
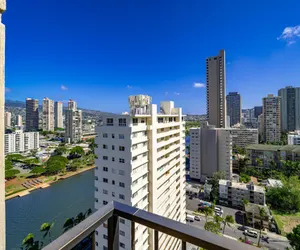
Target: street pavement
<point>276,242</point>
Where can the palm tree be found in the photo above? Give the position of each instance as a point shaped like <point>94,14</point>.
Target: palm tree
<point>262,215</point>
<point>227,221</point>
<point>46,228</point>
<point>69,223</point>
<point>245,202</point>
<point>93,145</point>
<point>30,244</point>
<point>208,212</point>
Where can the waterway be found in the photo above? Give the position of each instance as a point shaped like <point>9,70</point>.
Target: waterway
<point>56,203</point>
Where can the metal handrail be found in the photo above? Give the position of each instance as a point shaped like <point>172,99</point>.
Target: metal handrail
<point>113,210</point>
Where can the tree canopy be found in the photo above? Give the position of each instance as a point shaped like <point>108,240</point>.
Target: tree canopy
<point>38,170</point>
<point>215,184</point>
<point>11,173</point>
<point>77,151</point>
<point>294,237</point>
<point>60,150</point>
<point>56,164</point>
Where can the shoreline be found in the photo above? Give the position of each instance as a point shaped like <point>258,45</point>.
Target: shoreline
<point>48,184</point>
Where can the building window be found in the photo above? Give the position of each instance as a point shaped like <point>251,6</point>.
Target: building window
<point>113,182</point>
<point>121,160</point>
<point>105,158</point>
<point>135,121</point>
<point>122,245</point>
<point>104,247</point>
<point>160,120</point>
<point>113,147</point>
<point>104,146</point>
<point>96,200</point>
<point>104,236</point>
<point>105,169</point>
<point>121,172</point>
<point>122,184</point>
<point>134,158</point>
<point>96,189</point>
<point>121,136</point>
<point>113,194</point>
<point>105,180</point>
<point>122,221</point>
<point>96,178</point>
<point>113,136</point>
<point>122,196</point>
<point>105,135</point>
<point>105,202</point>
<point>121,148</point>
<point>113,158</point>
<point>122,122</point>
<point>105,191</point>
<point>109,121</point>
<point>122,233</point>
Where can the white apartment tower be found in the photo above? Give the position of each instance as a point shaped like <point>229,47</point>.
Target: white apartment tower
<point>216,90</point>
<point>73,120</point>
<point>141,162</point>
<point>7,119</point>
<point>58,113</point>
<point>19,121</point>
<point>271,118</point>
<point>210,151</point>
<point>48,114</point>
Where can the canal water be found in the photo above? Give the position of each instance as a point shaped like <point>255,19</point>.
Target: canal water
<point>56,203</point>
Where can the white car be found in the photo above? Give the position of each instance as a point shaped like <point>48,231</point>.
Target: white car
<point>197,218</point>
<point>251,233</point>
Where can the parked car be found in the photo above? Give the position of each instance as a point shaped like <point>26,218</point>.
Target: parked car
<point>219,209</point>
<point>242,228</point>
<point>190,218</point>
<point>218,214</point>
<point>197,218</point>
<point>251,233</point>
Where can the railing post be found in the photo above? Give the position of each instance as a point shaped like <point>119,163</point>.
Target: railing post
<point>94,241</point>
<point>132,235</point>
<point>113,233</point>
<point>155,240</point>
<point>183,245</point>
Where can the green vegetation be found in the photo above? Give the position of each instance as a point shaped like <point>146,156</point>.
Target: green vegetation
<point>38,170</point>
<point>10,174</point>
<point>71,222</point>
<point>227,221</point>
<point>56,164</point>
<point>92,145</point>
<point>294,237</point>
<point>214,181</point>
<point>245,178</point>
<point>59,129</point>
<point>285,199</point>
<point>76,152</point>
<point>60,150</point>
<point>191,124</point>
<point>262,215</point>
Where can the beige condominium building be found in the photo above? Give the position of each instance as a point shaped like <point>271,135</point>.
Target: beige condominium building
<point>58,115</point>
<point>48,114</point>
<point>2,93</point>
<point>141,162</point>
<point>271,118</point>
<point>216,90</point>
<point>7,119</point>
<point>73,121</point>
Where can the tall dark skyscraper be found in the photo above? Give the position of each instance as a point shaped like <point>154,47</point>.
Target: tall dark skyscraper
<point>32,114</point>
<point>234,107</point>
<point>216,90</point>
<point>258,111</point>
<point>290,108</point>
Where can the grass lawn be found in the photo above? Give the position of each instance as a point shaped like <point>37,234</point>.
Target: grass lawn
<point>286,222</point>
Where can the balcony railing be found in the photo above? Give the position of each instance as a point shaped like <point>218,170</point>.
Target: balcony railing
<point>111,213</point>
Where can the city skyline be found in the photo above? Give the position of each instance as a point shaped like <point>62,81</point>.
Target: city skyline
<point>130,61</point>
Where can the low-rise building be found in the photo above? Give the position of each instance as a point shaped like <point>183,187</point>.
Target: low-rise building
<point>19,141</point>
<point>272,154</point>
<point>294,138</point>
<point>192,190</point>
<point>253,215</point>
<point>234,193</point>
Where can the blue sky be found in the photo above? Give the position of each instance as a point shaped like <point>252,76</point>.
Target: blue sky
<point>99,52</point>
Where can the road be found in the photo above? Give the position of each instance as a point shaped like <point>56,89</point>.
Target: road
<point>275,241</point>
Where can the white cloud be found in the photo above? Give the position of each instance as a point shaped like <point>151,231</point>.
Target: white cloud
<point>7,90</point>
<point>290,34</point>
<point>199,85</point>
<point>129,86</point>
<point>63,87</point>
<point>176,93</point>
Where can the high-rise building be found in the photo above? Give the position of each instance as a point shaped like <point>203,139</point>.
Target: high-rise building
<point>19,141</point>
<point>32,114</point>
<point>234,107</point>
<point>19,121</point>
<point>48,114</point>
<point>210,151</point>
<point>258,111</point>
<point>73,121</point>
<point>58,111</point>
<point>2,130</point>
<point>72,105</point>
<point>141,162</point>
<point>271,118</point>
<point>7,119</point>
<point>290,108</point>
<point>216,90</point>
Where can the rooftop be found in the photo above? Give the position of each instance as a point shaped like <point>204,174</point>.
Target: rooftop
<point>251,207</point>
<point>268,147</point>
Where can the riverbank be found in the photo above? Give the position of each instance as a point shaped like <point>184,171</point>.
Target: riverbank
<point>46,182</point>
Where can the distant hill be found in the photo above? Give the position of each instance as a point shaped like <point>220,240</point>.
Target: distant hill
<point>14,104</point>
